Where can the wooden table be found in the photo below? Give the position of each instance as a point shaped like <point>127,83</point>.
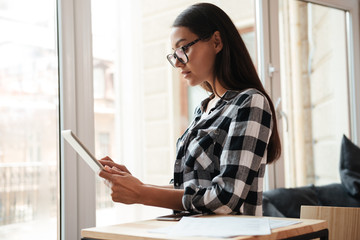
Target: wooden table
<point>307,229</point>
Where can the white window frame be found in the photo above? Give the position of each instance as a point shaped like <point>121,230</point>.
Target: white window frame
<point>77,181</point>
<point>271,65</point>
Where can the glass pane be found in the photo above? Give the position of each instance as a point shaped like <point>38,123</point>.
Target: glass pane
<point>121,44</point>
<point>314,85</point>
<point>29,120</point>
<point>141,104</point>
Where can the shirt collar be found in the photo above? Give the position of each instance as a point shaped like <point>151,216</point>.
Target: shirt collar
<point>228,95</point>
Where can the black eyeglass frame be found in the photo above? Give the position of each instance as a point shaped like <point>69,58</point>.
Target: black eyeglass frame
<point>183,48</point>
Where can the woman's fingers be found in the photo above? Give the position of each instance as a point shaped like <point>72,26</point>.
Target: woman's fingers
<point>107,158</point>
<point>107,174</point>
<point>124,186</point>
<point>115,170</point>
<point>111,164</point>
<point>107,162</point>
<point>122,168</point>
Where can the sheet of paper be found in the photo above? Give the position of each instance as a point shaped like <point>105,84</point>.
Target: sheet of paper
<point>218,227</point>
<point>276,223</point>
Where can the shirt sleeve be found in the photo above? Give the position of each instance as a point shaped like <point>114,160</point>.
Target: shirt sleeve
<point>244,151</point>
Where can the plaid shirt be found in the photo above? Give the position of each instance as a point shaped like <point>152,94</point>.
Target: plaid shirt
<point>221,157</point>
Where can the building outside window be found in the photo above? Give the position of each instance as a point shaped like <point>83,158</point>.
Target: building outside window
<point>29,120</point>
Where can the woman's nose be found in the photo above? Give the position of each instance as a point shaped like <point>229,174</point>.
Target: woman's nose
<point>178,64</point>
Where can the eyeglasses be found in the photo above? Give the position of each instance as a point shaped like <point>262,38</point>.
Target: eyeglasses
<point>180,54</point>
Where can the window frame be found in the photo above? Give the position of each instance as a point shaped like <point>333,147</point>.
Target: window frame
<point>77,180</point>
<point>271,65</point>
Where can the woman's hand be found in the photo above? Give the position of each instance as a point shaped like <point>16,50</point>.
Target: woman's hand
<point>129,190</point>
<point>107,161</point>
<point>125,187</point>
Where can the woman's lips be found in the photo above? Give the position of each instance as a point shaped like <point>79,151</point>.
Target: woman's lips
<point>185,73</point>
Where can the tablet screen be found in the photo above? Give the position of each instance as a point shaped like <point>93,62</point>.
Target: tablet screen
<point>80,148</point>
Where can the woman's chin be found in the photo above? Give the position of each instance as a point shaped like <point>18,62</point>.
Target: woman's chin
<point>191,83</point>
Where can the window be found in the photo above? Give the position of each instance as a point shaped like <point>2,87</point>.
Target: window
<point>29,120</point>
<point>314,91</point>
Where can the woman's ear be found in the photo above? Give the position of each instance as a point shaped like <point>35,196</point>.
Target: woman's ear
<point>217,41</point>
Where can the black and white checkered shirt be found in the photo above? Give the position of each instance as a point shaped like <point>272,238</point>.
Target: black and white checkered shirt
<point>221,157</point>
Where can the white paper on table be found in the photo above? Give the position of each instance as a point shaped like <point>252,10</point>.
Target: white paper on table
<point>276,223</point>
<point>218,227</point>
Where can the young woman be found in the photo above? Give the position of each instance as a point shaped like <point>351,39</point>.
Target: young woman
<point>221,157</point>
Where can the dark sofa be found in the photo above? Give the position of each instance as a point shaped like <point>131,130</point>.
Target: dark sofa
<point>286,202</point>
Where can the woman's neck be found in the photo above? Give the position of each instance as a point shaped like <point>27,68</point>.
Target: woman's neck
<point>215,98</point>
<point>219,90</point>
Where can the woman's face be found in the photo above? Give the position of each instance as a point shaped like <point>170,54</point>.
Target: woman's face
<point>201,55</point>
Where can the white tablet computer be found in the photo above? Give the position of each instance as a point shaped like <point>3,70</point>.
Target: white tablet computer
<point>80,148</point>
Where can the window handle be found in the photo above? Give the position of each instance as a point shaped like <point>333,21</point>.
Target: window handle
<point>281,114</point>
<point>271,70</point>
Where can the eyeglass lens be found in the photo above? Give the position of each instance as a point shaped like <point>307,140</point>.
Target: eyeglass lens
<point>180,55</point>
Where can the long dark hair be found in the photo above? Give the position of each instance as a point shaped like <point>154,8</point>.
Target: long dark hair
<point>234,68</point>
